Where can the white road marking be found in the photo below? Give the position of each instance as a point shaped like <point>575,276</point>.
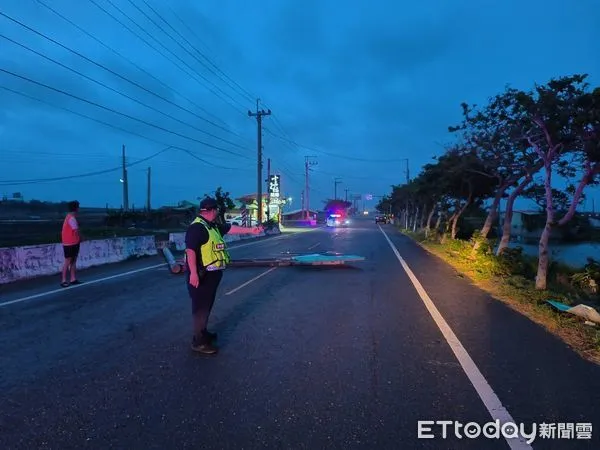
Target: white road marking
<point>252,280</point>
<point>77,286</point>
<point>314,245</point>
<point>131,272</point>
<point>484,390</point>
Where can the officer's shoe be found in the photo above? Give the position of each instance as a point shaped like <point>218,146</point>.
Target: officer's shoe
<point>203,346</point>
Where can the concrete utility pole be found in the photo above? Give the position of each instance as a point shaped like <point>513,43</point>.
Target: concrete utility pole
<point>259,115</point>
<point>336,181</point>
<point>346,190</point>
<point>308,161</point>
<point>125,183</point>
<point>148,190</point>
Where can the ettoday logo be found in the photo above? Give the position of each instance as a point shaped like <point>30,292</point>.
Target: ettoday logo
<point>508,430</point>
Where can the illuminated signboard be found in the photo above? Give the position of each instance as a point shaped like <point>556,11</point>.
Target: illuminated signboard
<point>274,184</point>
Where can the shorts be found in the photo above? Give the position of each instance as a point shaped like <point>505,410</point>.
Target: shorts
<point>71,251</point>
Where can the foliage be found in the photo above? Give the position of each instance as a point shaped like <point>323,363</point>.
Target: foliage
<point>336,205</point>
<point>224,203</point>
<point>500,147</point>
<point>589,278</point>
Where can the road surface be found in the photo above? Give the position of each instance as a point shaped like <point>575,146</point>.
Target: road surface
<point>342,358</point>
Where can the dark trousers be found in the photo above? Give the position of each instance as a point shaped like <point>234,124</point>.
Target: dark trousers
<point>203,299</point>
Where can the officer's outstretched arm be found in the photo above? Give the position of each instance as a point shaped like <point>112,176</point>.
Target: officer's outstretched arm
<point>244,230</point>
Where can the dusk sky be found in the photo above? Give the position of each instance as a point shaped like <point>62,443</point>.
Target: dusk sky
<point>361,86</point>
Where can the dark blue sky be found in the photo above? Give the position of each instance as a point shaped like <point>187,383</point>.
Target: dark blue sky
<point>360,85</point>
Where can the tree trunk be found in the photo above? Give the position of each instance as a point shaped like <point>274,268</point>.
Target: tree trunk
<point>422,218</point>
<point>544,260</point>
<point>438,222</point>
<point>429,219</point>
<point>507,225</point>
<point>415,218</point>
<point>489,220</point>
<point>458,215</point>
<point>493,213</point>
<point>542,271</point>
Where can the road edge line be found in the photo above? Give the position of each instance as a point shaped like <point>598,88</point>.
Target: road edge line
<point>482,387</point>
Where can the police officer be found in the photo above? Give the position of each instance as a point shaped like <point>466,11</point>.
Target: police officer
<point>206,257</point>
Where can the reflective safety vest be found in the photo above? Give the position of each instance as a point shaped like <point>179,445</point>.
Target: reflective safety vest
<point>214,253</point>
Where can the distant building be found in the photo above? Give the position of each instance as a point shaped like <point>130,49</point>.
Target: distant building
<point>299,214</point>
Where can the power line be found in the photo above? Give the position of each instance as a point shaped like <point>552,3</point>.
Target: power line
<point>119,92</point>
<point>133,133</point>
<point>250,95</point>
<point>107,69</point>
<point>122,114</point>
<point>108,47</point>
<point>185,49</point>
<point>162,45</point>
<point>82,175</point>
<point>334,154</point>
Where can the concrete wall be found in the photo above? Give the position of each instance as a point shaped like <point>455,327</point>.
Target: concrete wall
<point>17,263</point>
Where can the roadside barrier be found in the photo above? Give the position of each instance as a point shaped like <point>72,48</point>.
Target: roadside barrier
<point>19,263</point>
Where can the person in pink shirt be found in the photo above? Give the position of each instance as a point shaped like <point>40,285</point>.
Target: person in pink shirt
<point>71,240</point>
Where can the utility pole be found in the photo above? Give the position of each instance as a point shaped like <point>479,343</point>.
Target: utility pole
<point>259,115</point>
<point>148,187</point>
<point>336,181</point>
<point>308,161</point>
<point>125,184</point>
<point>346,190</point>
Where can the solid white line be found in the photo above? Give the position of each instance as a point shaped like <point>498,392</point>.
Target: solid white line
<point>131,272</point>
<point>87,283</point>
<point>484,390</point>
<point>233,291</point>
<point>315,245</point>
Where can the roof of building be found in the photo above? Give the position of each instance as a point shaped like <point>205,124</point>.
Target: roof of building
<point>296,211</point>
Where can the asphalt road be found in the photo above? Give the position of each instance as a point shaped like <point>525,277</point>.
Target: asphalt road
<point>310,358</point>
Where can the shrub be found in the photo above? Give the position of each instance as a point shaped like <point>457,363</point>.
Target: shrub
<point>589,278</point>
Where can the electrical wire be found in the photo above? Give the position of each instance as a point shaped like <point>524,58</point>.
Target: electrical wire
<point>108,47</point>
<point>242,91</point>
<point>185,49</point>
<point>106,68</point>
<point>350,158</point>
<point>163,46</point>
<point>119,92</point>
<point>109,125</point>
<point>81,175</point>
<point>123,114</point>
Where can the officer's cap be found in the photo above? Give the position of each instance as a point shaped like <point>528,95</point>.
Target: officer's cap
<point>208,203</point>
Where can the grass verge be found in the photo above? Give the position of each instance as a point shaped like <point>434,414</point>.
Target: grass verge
<point>517,290</point>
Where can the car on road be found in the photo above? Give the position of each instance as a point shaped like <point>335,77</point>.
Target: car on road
<point>337,220</point>
<point>238,220</point>
<point>381,219</point>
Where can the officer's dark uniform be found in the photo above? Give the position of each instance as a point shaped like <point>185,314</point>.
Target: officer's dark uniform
<point>206,240</point>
